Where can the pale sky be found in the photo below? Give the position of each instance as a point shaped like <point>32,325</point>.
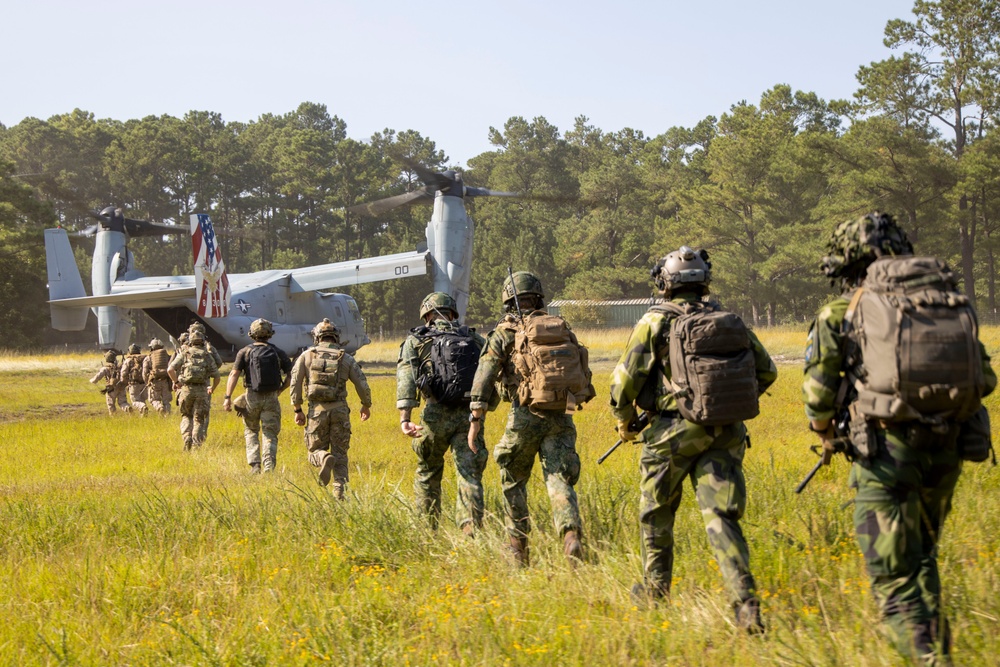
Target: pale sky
<point>447,70</point>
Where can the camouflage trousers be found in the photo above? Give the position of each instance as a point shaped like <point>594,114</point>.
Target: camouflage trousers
<point>262,418</point>
<point>137,398</point>
<point>195,404</point>
<point>328,434</point>
<point>552,438</point>
<point>903,498</point>
<point>447,428</point>
<point>160,395</point>
<point>673,451</point>
<point>116,398</point>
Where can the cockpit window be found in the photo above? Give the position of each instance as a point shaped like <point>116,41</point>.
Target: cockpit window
<point>339,312</point>
<point>353,307</point>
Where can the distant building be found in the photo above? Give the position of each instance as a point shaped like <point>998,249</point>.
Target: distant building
<point>618,313</point>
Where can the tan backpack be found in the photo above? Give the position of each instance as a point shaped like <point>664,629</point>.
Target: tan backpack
<point>159,360</point>
<point>325,383</point>
<point>552,366</point>
<point>918,341</point>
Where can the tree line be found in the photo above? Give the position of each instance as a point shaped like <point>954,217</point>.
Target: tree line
<point>759,186</point>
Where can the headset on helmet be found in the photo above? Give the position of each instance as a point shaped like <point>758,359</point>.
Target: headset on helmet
<point>857,243</point>
<point>326,329</point>
<point>196,338</point>
<point>183,338</point>
<point>438,302</point>
<point>261,329</point>
<point>684,266</point>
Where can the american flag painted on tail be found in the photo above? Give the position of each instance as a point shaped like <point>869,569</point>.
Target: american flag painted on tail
<point>209,269</point>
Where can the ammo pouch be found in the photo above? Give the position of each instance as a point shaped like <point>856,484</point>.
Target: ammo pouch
<point>864,440</point>
<point>974,441</point>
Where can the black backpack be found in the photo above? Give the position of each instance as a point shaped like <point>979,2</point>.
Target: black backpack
<point>453,359</point>
<point>264,368</point>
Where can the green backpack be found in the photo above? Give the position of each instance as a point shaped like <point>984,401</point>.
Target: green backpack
<point>195,370</point>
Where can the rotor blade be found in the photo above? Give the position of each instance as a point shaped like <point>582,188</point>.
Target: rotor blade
<point>146,228</point>
<point>380,206</point>
<point>97,216</point>
<point>483,192</point>
<point>434,180</point>
<point>86,233</point>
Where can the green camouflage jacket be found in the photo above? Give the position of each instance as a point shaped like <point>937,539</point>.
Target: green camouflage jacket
<point>495,363</point>
<point>647,348</point>
<point>414,353</point>
<point>824,360</point>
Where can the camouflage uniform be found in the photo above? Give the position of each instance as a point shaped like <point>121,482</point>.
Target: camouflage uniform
<point>328,429</point>
<point>160,395</point>
<point>263,412</point>
<point>131,374</point>
<point>674,450</point>
<point>195,402</point>
<point>903,496</point>
<point>444,427</point>
<point>115,389</point>
<point>549,434</point>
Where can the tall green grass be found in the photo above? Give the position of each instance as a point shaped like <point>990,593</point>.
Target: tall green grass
<point>118,548</point>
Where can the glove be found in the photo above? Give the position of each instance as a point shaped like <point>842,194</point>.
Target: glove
<point>625,431</point>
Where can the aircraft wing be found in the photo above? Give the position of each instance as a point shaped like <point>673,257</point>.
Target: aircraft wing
<point>140,293</point>
<point>355,272</point>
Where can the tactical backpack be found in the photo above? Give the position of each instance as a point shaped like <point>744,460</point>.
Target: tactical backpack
<point>195,369</point>
<point>263,368</point>
<point>452,362</point>
<point>133,375</point>
<point>916,341</point>
<point>712,366</point>
<point>159,360</point>
<point>552,367</point>
<point>325,384</point>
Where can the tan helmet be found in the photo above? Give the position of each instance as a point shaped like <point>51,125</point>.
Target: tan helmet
<point>326,329</point>
<point>156,344</point>
<point>682,267</point>
<point>183,338</point>
<point>523,283</point>
<point>110,357</point>
<point>134,349</point>
<point>196,338</point>
<point>261,329</point>
<point>438,302</point>
<point>196,326</point>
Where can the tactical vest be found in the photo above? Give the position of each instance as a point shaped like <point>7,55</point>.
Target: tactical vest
<point>713,373</point>
<point>913,343</point>
<point>195,368</point>
<point>133,375</point>
<point>552,367</point>
<point>325,382</point>
<point>452,360</point>
<point>113,371</point>
<point>159,360</point>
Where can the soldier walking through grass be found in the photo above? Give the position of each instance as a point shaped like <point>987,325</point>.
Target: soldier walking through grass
<point>320,375</point>
<point>894,366</point>
<point>114,389</point>
<point>190,371</point>
<point>697,371</point>
<point>438,361</point>
<point>131,375</point>
<point>154,374</point>
<point>266,371</point>
<point>543,371</point>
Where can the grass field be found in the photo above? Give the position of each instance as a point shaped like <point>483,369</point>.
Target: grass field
<point>117,548</point>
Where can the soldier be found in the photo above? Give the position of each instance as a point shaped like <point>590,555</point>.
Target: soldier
<point>540,423</point>
<point>266,373</point>
<point>190,372</point>
<point>321,373</point>
<point>114,389</point>
<point>907,448</point>
<point>154,374</point>
<point>689,436</point>
<point>198,326</point>
<point>131,375</point>
<point>439,360</point>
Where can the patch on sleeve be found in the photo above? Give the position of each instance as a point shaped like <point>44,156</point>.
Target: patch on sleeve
<point>810,342</point>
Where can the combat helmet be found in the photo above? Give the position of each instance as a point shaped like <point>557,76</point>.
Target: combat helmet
<point>261,329</point>
<point>110,357</point>
<point>134,349</point>
<point>326,329</point>
<point>523,283</point>
<point>682,267</point>
<point>857,243</point>
<point>183,338</point>
<point>196,337</point>
<point>438,302</point>
<point>156,344</point>
<point>196,326</point>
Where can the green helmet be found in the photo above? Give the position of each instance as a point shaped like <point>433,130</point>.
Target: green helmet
<point>155,344</point>
<point>857,243</point>
<point>684,266</point>
<point>438,302</point>
<point>196,338</point>
<point>523,283</point>
<point>134,349</point>
<point>261,329</point>
<point>110,357</point>
<point>326,329</point>
<point>196,326</point>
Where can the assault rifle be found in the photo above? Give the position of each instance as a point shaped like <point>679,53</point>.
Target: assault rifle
<point>640,423</point>
<point>841,445</point>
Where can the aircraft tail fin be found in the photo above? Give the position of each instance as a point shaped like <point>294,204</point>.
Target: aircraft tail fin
<point>64,281</point>
<point>209,269</point>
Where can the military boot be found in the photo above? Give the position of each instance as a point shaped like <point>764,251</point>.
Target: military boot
<point>648,595</point>
<point>254,468</point>
<point>519,550</point>
<point>338,490</point>
<point>469,529</point>
<point>572,547</point>
<point>326,471</point>
<point>748,616</point>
